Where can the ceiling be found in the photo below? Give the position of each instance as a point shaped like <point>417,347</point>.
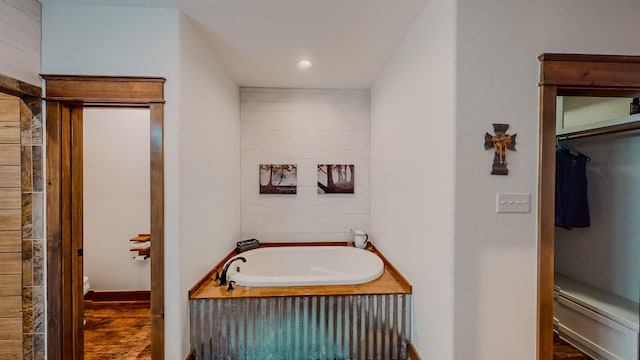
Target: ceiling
<point>261,41</point>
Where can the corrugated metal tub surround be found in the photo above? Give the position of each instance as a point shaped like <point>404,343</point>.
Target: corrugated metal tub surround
<point>364,321</point>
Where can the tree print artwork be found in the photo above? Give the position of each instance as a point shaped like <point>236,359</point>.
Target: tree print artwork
<point>336,179</point>
<point>278,179</point>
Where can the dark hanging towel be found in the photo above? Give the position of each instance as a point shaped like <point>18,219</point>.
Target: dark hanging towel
<point>572,207</point>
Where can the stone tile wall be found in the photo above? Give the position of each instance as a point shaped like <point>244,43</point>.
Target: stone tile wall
<point>33,225</point>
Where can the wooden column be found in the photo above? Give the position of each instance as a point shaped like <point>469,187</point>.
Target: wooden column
<point>10,229</point>
<point>157,229</point>
<point>546,216</point>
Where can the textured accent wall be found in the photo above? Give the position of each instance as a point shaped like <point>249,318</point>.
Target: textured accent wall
<point>306,127</point>
<point>21,182</point>
<point>10,215</point>
<point>302,327</point>
<point>21,230</point>
<point>33,263</point>
<point>20,39</point>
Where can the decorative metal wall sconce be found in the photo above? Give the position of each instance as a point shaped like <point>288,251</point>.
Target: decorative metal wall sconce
<point>501,141</point>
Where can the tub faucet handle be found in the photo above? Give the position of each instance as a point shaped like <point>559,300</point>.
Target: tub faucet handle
<point>223,277</point>
<point>230,287</point>
<point>217,276</point>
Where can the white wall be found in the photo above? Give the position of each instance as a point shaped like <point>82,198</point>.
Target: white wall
<point>106,40</point>
<point>497,75</point>
<point>201,132</point>
<point>306,127</point>
<point>607,254</point>
<point>412,172</point>
<point>209,162</point>
<point>20,40</point>
<point>116,196</point>
<point>496,79</point>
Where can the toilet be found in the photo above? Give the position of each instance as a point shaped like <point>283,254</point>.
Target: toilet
<point>86,285</point>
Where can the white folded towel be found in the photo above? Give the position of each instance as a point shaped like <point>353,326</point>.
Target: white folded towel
<point>140,244</point>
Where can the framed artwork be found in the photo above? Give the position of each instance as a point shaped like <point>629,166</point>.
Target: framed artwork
<point>336,179</point>
<point>278,178</point>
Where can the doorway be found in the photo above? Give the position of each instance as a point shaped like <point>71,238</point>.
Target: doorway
<point>567,75</point>
<point>66,97</point>
<point>116,209</point>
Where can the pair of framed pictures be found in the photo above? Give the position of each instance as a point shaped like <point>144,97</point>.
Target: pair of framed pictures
<point>283,179</point>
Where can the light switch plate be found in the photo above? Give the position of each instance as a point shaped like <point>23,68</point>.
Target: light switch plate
<point>513,203</point>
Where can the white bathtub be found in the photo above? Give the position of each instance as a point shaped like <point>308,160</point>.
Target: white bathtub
<point>306,265</point>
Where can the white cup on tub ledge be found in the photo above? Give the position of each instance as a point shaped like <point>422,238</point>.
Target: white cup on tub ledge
<point>360,238</point>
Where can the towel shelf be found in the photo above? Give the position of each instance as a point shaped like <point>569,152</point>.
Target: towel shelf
<point>143,251</point>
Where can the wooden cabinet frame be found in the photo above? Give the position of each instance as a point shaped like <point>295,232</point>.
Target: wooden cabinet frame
<point>567,75</point>
<point>66,95</point>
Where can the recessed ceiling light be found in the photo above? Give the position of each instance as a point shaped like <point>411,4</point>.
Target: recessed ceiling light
<point>304,64</point>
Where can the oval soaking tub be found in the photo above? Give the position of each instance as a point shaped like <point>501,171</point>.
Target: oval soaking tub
<point>306,265</point>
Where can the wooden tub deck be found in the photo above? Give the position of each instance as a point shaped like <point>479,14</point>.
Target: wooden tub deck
<point>390,282</point>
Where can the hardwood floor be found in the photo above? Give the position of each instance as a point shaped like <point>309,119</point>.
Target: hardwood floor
<point>117,331</point>
<point>564,351</point>
<point>123,331</point>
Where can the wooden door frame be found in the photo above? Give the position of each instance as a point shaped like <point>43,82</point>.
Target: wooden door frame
<point>66,95</point>
<point>567,75</point>
<point>18,88</point>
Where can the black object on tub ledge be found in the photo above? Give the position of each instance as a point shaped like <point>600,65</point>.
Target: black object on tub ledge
<point>247,244</point>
